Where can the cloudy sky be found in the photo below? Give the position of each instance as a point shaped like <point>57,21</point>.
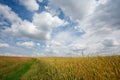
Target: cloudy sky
<point>59,27</point>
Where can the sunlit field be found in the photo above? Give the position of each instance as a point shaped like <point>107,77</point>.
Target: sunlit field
<point>59,68</point>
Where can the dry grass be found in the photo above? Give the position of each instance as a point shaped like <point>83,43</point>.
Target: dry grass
<point>11,67</point>
<point>90,68</point>
<point>54,68</point>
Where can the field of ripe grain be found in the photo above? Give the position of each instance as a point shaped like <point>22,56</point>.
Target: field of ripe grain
<point>56,68</point>
<point>12,68</point>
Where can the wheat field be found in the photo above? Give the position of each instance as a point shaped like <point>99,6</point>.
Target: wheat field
<point>60,68</point>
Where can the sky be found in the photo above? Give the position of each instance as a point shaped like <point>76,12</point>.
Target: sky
<point>59,27</point>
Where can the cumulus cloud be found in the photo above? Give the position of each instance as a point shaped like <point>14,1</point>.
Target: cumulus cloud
<point>26,44</point>
<point>105,16</point>
<point>8,14</point>
<point>46,22</point>
<point>74,8</point>
<point>4,45</point>
<point>40,28</point>
<point>27,29</point>
<point>104,21</point>
<point>98,20</point>
<point>46,19</point>
<point>101,26</point>
<point>30,5</point>
<point>59,45</point>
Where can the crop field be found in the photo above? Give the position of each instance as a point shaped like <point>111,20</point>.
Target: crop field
<point>60,68</point>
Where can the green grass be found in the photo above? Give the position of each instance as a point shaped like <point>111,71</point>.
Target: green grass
<point>56,68</point>
<point>12,68</point>
<point>18,72</point>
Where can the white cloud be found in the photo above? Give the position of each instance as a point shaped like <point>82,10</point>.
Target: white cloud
<point>4,45</point>
<point>38,44</point>
<point>26,44</point>
<point>8,14</point>
<point>99,20</point>
<point>59,45</point>
<point>101,27</point>
<point>40,0</point>
<point>74,8</point>
<point>102,1</point>
<point>31,5</point>
<point>40,28</point>
<point>46,19</point>
<point>27,29</point>
<point>46,22</point>
<point>61,39</point>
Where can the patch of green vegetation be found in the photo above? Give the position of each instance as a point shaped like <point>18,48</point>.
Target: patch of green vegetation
<point>21,70</point>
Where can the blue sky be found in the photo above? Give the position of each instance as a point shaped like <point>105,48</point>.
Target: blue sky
<point>59,28</point>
